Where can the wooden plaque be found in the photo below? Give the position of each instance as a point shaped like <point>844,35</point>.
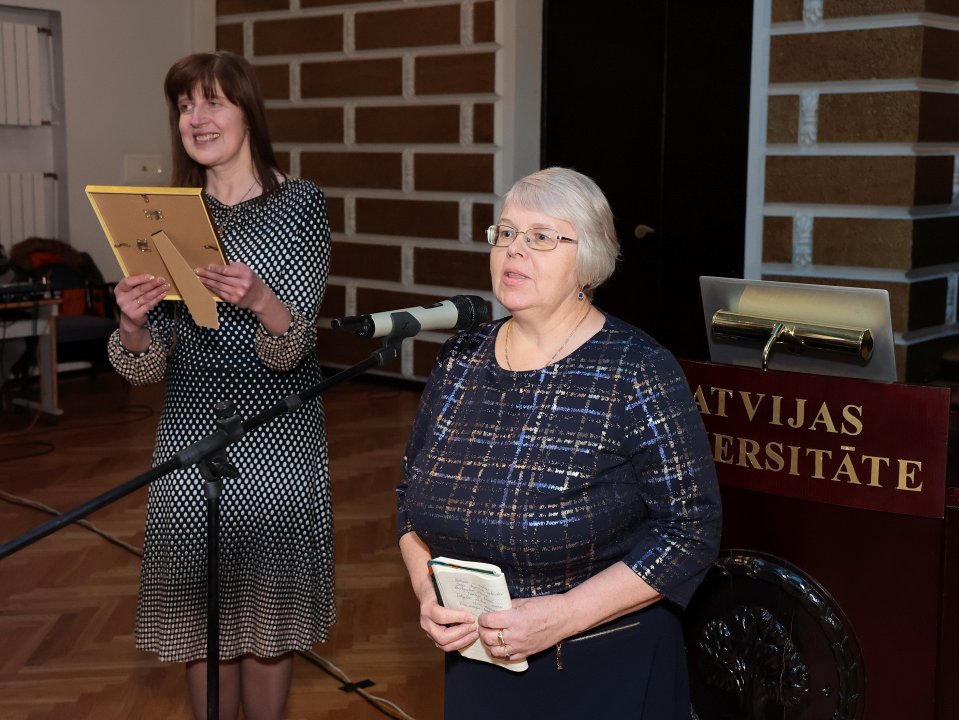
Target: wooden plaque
<point>133,217</point>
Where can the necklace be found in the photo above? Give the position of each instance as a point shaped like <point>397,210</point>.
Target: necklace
<point>221,228</point>
<point>509,327</point>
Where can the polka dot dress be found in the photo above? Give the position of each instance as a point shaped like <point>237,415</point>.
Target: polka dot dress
<point>276,535</point>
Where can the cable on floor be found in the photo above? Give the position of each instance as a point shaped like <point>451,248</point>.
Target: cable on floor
<point>43,448</point>
<point>25,430</point>
<point>136,413</point>
<point>26,502</point>
<point>331,669</point>
<point>383,705</point>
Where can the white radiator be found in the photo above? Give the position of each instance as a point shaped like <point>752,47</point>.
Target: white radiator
<point>27,207</point>
<point>20,80</point>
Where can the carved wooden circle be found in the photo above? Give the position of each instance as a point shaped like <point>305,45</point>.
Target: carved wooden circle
<point>766,640</point>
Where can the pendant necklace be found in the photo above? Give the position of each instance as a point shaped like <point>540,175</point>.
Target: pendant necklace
<point>509,326</point>
<point>222,227</point>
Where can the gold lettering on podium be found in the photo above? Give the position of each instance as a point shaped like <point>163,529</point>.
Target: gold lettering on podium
<point>726,405</point>
<point>907,475</point>
<point>874,468</point>
<point>841,464</point>
<point>853,418</point>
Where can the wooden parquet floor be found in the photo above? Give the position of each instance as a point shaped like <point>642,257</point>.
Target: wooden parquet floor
<point>67,602</point>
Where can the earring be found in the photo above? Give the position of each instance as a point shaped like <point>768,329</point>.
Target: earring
<point>580,295</point>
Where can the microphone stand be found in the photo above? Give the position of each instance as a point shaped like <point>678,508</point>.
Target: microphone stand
<point>213,470</point>
<point>213,466</point>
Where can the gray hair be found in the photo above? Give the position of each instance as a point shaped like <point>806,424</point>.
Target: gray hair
<point>571,196</point>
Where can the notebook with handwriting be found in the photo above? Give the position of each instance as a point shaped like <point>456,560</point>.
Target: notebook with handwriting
<point>476,587</point>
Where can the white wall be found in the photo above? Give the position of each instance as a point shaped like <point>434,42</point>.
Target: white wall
<point>115,56</point>
<point>519,70</point>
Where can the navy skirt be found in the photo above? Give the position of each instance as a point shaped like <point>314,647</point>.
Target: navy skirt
<point>633,668</point>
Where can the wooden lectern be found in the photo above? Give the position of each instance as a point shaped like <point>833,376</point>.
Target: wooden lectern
<point>836,593</point>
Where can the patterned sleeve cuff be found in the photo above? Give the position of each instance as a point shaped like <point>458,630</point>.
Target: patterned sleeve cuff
<point>140,368</point>
<point>284,352</point>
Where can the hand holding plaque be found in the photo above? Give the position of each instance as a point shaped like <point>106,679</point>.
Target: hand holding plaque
<point>165,232</point>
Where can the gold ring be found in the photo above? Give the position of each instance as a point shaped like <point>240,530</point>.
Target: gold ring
<point>499,636</point>
<point>506,652</point>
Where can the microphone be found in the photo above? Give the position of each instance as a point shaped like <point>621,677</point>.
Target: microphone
<point>458,313</point>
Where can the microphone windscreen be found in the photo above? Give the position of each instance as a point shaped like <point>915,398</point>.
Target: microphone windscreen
<point>360,324</point>
<point>472,310</point>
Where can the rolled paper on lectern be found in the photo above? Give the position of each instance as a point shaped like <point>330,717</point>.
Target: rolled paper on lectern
<point>795,334</point>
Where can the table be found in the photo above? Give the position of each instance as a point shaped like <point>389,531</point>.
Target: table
<point>42,325</point>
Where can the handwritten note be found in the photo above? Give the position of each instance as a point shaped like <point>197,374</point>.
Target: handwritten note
<point>476,588</point>
<point>478,597</point>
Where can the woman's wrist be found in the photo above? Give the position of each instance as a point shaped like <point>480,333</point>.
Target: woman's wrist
<point>425,591</point>
<point>134,338</point>
<point>567,615</point>
<point>273,315</point>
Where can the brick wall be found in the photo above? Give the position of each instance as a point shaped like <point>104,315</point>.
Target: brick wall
<point>390,107</point>
<point>862,134</point>
<point>404,111</point>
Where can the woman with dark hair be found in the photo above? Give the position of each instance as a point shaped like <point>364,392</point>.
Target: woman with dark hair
<point>564,446</point>
<point>276,554</point>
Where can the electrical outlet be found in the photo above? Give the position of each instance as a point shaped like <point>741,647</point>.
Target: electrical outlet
<point>146,169</point>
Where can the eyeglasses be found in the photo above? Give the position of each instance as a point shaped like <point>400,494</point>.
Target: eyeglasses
<point>541,238</point>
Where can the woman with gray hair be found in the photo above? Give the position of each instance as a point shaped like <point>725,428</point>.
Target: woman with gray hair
<point>564,446</point>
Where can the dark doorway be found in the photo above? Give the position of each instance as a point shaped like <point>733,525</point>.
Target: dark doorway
<point>651,100</point>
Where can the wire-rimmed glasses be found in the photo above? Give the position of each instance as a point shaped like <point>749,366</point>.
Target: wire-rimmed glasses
<point>537,238</point>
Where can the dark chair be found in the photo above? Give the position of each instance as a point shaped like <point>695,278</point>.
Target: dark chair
<point>87,314</point>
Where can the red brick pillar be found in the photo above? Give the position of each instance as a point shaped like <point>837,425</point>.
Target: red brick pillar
<point>861,138</point>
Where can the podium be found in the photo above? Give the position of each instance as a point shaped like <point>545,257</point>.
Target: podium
<point>836,594</point>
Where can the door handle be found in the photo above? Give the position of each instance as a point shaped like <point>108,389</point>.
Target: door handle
<point>641,231</point>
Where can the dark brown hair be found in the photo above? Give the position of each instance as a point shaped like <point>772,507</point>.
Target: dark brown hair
<point>238,82</point>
